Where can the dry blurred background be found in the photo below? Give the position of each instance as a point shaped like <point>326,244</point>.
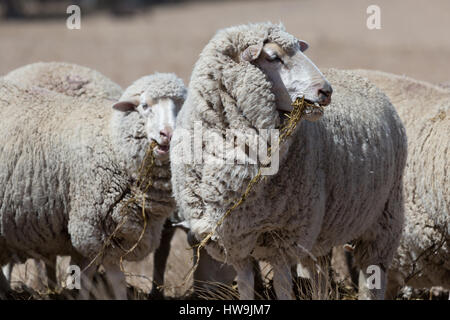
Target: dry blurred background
<point>127,39</point>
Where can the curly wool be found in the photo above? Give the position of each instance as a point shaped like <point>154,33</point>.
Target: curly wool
<point>70,79</point>
<point>65,178</point>
<point>424,251</point>
<point>168,85</point>
<point>339,178</point>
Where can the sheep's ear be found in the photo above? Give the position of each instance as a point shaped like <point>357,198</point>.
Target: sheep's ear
<point>126,105</point>
<point>303,45</point>
<point>252,52</point>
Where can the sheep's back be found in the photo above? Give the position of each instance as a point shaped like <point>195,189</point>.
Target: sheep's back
<point>66,78</point>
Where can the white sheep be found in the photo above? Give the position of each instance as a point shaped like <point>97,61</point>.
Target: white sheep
<point>69,166</point>
<point>423,257</point>
<point>71,80</point>
<point>339,178</point>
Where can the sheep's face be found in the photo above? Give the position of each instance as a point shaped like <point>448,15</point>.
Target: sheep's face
<point>159,116</point>
<point>292,75</point>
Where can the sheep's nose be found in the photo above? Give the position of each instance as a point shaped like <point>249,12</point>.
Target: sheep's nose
<point>324,94</point>
<point>166,134</point>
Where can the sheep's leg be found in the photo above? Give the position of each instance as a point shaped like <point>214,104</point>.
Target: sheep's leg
<point>317,272</point>
<point>36,275</point>
<point>282,281</point>
<point>4,282</point>
<point>245,279</point>
<point>374,253</point>
<point>160,260</point>
<point>259,282</point>
<point>352,270</point>
<point>87,283</point>
<point>322,277</point>
<point>193,242</point>
<point>117,282</point>
<point>86,276</point>
<point>368,289</point>
<point>50,267</point>
<point>394,285</point>
<point>7,271</point>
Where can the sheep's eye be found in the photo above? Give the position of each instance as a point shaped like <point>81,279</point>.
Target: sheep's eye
<point>145,106</point>
<point>274,58</point>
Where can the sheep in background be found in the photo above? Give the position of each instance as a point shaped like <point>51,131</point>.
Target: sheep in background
<point>71,80</point>
<point>423,257</point>
<point>69,166</point>
<point>339,178</point>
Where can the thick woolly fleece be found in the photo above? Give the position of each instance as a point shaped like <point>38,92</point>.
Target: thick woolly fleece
<point>340,178</point>
<point>66,78</point>
<point>167,86</point>
<point>423,258</point>
<point>65,176</point>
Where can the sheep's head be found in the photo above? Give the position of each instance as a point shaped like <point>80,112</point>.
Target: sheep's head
<point>157,102</point>
<point>292,75</point>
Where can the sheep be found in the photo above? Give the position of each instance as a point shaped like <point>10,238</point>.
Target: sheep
<point>70,166</point>
<point>423,257</point>
<point>66,78</point>
<point>71,80</point>
<point>85,83</point>
<point>339,178</point>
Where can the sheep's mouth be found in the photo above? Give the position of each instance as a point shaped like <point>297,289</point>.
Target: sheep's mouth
<point>162,149</point>
<point>311,108</point>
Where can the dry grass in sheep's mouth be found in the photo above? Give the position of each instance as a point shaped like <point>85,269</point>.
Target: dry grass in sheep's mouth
<point>161,148</point>
<point>306,108</point>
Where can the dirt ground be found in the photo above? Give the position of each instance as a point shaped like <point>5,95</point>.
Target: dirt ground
<point>413,40</point>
